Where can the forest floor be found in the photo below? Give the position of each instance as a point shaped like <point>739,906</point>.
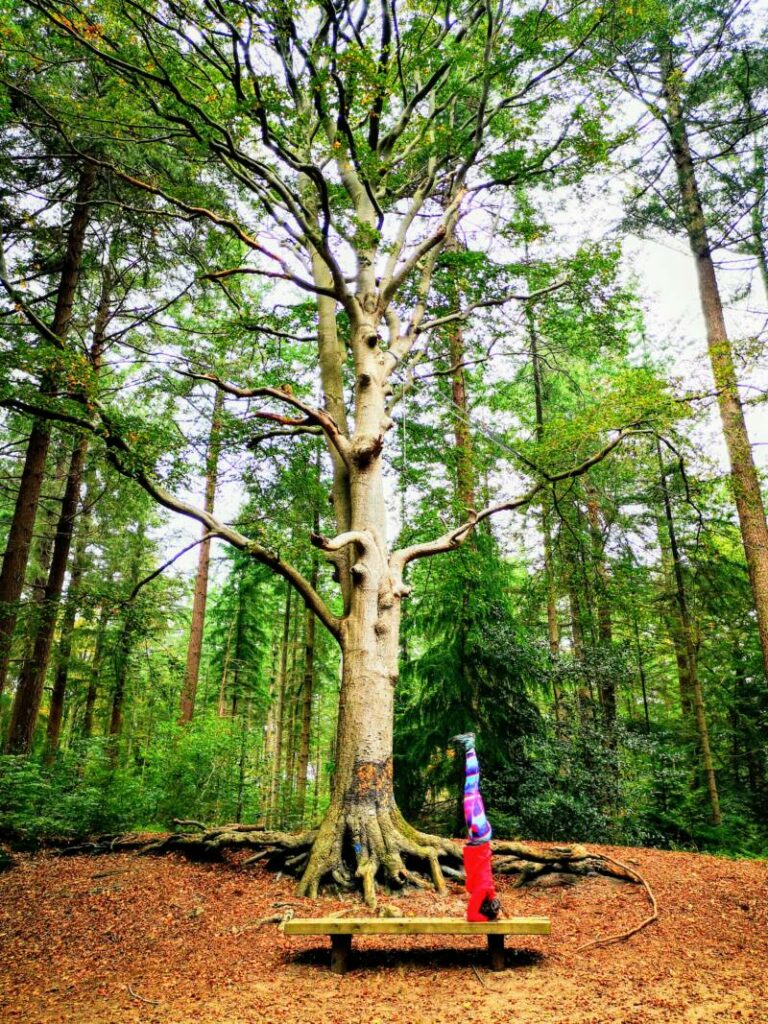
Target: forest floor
<point>159,940</point>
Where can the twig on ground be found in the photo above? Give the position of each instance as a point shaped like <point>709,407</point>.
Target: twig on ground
<point>479,976</point>
<point>143,999</point>
<point>609,940</point>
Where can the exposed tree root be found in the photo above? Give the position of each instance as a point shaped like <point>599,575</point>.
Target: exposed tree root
<point>621,936</point>
<point>364,845</point>
<point>359,844</point>
<point>530,863</point>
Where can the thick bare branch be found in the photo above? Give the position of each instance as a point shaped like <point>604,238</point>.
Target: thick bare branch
<point>313,415</point>
<point>456,537</point>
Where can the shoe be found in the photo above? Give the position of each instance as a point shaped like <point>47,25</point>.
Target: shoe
<point>464,739</point>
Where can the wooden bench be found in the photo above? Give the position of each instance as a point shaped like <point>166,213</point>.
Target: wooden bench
<point>341,931</point>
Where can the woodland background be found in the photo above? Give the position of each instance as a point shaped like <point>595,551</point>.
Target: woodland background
<point>602,641</point>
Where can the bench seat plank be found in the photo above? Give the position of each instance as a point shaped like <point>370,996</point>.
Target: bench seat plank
<point>416,926</point>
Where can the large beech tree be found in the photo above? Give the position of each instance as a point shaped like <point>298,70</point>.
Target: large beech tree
<point>342,145</point>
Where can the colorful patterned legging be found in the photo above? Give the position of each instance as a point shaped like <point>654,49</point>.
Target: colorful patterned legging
<point>478,826</point>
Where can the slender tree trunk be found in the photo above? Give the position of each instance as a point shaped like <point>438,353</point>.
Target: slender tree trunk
<point>553,626</point>
<point>746,485</point>
<point>279,710</point>
<point>690,646</point>
<point>124,644</point>
<point>465,465</point>
<point>222,708</point>
<point>759,211</point>
<point>577,631</point>
<point>294,681</point>
<point>25,511</point>
<point>242,759</point>
<point>607,684</point>
<point>122,656</point>
<point>641,673</point>
<point>94,671</point>
<point>29,692</point>
<point>307,695</point>
<point>195,646</point>
<point>56,710</point>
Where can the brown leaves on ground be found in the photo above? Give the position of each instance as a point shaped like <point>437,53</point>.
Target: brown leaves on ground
<point>145,940</point>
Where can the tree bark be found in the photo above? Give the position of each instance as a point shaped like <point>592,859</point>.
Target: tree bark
<point>362,813</point>
<point>641,673</point>
<point>25,510</point>
<point>462,435</point>
<point>607,685</point>
<point>197,627</point>
<point>690,648</point>
<point>746,485</point>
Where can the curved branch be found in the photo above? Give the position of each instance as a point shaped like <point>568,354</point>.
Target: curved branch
<point>456,537</point>
<point>120,456</point>
<point>166,565</point>
<point>313,414</point>
<point>499,300</point>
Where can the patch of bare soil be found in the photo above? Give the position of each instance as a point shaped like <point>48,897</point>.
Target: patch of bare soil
<point>145,940</point>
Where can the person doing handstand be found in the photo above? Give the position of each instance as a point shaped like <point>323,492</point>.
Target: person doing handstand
<point>484,905</point>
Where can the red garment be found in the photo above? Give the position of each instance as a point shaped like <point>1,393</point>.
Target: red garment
<point>477,866</point>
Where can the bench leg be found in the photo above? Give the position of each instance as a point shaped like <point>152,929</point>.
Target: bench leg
<point>341,946</point>
<point>496,951</point>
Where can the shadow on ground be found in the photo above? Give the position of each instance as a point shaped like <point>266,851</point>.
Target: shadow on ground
<point>391,959</point>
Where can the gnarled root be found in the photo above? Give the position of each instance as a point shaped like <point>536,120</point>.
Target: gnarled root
<point>363,843</point>
<point>531,863</point>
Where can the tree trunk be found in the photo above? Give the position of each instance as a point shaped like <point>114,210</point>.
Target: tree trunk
<point>56,710</point>
<point>363,831</point>
<point>465,465</point>
<point>641,672</point>
<point>553,626</point>
<point>296,679</point>
<point>690,648</point>
<point>94,670</point>
<point>25,511</point>
<point>306,704</point>
<point>604,624</point>
<point>222,708</point>
<point>30,689</point>
<point>195,646</point>
<point>122,655</point>
<point>29,692</point>
<point>746,485</point>
<point>759,211</point>
<point>279,712</point>
<point>125,643</point>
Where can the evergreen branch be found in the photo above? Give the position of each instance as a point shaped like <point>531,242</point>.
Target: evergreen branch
<point>39,325</point>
